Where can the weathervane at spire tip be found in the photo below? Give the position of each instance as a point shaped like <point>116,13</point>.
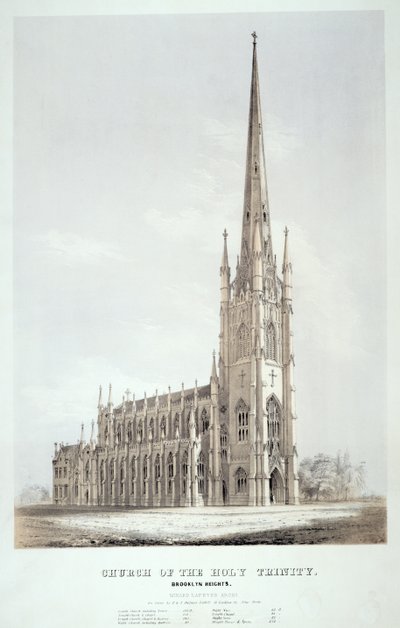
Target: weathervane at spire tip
<point>254,36</point>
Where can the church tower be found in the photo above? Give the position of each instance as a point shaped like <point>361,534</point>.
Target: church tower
<point>256,393</point>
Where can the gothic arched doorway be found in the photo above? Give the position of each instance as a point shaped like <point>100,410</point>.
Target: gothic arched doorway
<point>276,488</point>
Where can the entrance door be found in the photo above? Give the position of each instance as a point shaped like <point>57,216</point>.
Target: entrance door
<point>277,493</point>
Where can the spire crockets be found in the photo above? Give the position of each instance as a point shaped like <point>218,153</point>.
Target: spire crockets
<point>287,270</point>
<point>255,208</point>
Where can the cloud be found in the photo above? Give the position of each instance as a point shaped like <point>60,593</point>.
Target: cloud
<point>323,298</point>
<point>71,249</point>
<point>173,225</point>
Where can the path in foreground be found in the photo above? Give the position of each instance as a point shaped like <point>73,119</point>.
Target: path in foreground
<point>344,523</point>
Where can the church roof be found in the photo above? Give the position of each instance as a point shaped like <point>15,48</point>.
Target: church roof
<point>188,393</point>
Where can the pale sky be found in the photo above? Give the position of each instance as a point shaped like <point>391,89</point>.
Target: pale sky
<point>130,141</point>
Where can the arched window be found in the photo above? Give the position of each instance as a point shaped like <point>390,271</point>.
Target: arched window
<point>241,481</point>
<point>106,434</point>
<point>122,477</point>
<point>112,470</point>
<point>176,425</point>
<point>140,431</point>
<point>170,470</point>
<point>133,475</point>
<point>157,473</point>
<point>185,469</point>
<point>242,421</point>
<point>162,427</point>
<point>129,432</point>
<point>205,423</point>
<point>157,467</point>
<point>76,488</point>
<point>243,342</point>
<point>223,437</point>
<point>271,342</point>
<point>273,419</point>
<point>87,471</point>
<point>145,472</point>
<point>119,434</point>
<point>102,471</point>
<point>200,473</point>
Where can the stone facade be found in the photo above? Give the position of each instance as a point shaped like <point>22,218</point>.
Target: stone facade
<point>232,441</point>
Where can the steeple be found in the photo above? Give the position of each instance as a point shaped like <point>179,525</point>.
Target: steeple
<point>255,207</point>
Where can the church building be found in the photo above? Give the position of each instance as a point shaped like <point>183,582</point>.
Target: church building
<point>233,440</point>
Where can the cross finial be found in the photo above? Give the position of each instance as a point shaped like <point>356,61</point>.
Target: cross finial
<point>254,36</point>
<point>225,234</point>
<point>286,231</point>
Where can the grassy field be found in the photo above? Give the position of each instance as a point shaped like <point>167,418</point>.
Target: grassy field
<point>310,524</point>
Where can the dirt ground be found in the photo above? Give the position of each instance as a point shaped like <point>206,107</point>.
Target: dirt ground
<point>339,523</point>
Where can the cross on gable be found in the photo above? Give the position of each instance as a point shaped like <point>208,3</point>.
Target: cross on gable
<point>272,376</point>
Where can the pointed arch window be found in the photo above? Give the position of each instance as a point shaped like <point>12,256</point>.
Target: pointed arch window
<point>271,342</point>
<point>162,427</point>
<point>205,422</point>
<point>185,469</point>
<point>170,471</point>
<point>274,417</point>
<point>224,442</point>
<point>243,342</point>
<point>119,434</point>
<point>112,470</point>
<point>151,428</point>
<point>102,472</point>
<point>242,422</point>
<point>122,477</point>
<point>133,475</point>
<point>145,474</point>
<point>241,481</point>
<point>157,473</point>
<point>176,425</point>
<point>200,473</point>
<point>130,433</point>
<point>140,431</point>
<point>87,471</point>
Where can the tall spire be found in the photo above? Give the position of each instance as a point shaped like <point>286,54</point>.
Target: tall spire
<point>255,207</point>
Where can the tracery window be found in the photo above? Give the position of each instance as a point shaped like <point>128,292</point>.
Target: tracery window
<point>102,471</point>
<point>140,431</point>
<point>129,432</point>
<point>162,427</point>
<point>133,475</point>
<point>87,471</point>
<point>122,477</point>
<point>243,342</point>
<point>242,422</point>
<point>185,469</point>
<point>112,470</point>
<point>170,468</point>
<point>271,342</point>
<point>176,425</point>
<point>241,481</point>
<point>273,419</point>
<point>157,473</point>
<point>119,434</point>
<point>145,472</point>
<point>205,422</point>
<point>223,437</point>
<point>200,473</point>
